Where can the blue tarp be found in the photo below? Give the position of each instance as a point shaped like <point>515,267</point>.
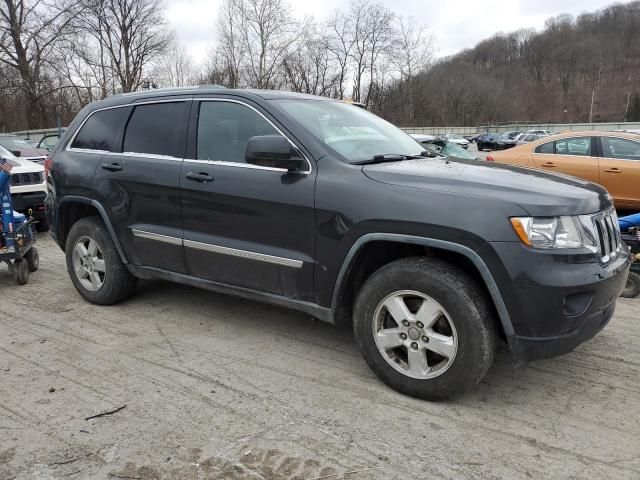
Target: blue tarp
<point>629,221</point>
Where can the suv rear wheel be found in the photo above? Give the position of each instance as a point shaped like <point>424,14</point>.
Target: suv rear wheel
<point>425,328</point>
<point>94,264</point>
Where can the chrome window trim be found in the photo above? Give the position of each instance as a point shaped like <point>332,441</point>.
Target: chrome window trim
<point>234,252</point>
<point>143,155</point>
<point>237,165</point>
<point>156,236</point>
<point>245,165</point>
<point>68,147</point>
<point>565,154</point>
<point>209,247</point>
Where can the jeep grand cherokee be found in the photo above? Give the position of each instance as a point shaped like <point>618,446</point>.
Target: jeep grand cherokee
<point>323,207</point>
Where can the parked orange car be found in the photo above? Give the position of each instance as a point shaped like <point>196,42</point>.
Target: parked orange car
<point>611,159</point>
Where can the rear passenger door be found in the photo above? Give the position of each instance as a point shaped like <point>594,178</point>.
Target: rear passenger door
<point>572,155</point>
<point>620,170</point>
<point>245,225</point>
<point>139,184</point>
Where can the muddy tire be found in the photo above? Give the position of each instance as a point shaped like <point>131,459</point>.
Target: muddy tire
<point>425,328</point>
<point>632,288</point>
<point>94,265</point>
<point>21,271</point>
<point>33,259</point>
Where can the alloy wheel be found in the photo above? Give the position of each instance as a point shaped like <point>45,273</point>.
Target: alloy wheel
<point>88,263</point>
<point>415,334</point>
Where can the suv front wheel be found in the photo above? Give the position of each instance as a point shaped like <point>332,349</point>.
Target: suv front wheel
<point>94,264</point>
<point>425,328</point>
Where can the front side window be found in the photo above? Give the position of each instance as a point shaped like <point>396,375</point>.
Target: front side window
<point>351,132</point>
<point>102,130</point>
<point>620,148</point>
<point>153,129</point>
<point>545,148</point>
<point>574,146</point>
<point>224,128</point>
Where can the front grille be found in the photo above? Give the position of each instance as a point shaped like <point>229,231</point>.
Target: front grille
<point>608,235</point>
<point>33,178</point>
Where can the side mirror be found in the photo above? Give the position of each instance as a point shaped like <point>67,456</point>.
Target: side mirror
<point>273,151</point>
<point>15,153</point>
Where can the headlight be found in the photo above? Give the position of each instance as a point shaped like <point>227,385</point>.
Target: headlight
<point>556,232</point>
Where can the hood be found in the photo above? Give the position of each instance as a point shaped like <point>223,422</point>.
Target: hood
<point>458,140</point>
<point>539,193</point>
<point>32,152</point>
<point>21,165</point>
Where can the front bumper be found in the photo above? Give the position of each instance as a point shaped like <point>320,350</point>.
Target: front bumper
<point>556,300</point>
<point>34,201</point>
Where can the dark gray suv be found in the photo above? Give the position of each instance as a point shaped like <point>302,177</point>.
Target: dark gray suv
<point>320,206</point>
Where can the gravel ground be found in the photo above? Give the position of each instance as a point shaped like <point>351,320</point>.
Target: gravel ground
<point>221,388</point>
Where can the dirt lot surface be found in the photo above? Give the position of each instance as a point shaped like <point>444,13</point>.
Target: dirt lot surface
<point>221,388</point>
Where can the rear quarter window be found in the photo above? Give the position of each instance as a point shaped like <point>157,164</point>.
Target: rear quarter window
<point>102,130</point>
<point>545,148</point>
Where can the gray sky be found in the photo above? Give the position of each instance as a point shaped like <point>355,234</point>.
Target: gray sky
<point>456,24</point>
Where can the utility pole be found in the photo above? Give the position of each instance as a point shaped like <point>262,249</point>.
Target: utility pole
<point>626,109</point>
<point>593,93</point>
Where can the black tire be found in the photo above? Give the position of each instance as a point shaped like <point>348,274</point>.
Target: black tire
<point>21,270</point>
<point>632,288</point>
<point>480,146</point>
<point>33,259</point>
<point>42,226</point>
<point>117,283</point>
<point>467,307</point>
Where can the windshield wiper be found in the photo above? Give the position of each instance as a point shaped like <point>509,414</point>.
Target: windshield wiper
<point>392,157</point>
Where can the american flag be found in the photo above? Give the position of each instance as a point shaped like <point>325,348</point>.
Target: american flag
<point>6,167</point>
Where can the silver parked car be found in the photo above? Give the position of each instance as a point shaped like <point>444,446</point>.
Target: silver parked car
<point>457,139</point>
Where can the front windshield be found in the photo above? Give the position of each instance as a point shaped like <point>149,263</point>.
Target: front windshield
<point>352,132</point>
<point>4,153</point>
<point>11,143</point>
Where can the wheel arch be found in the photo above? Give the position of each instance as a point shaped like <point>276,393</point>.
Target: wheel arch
<point>350,266</point>
<point>72,208</point>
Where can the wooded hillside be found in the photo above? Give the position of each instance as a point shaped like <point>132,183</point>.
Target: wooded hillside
<point>546,76</point>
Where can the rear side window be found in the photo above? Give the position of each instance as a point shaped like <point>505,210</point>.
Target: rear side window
<point>102,130</point>
<point>224,128</point>
<point>154,129</point>
<point>545,148</point>
<point>574,146</point>
<point>620,148</point>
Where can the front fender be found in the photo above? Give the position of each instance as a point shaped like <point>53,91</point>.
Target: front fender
<point>473,256</point>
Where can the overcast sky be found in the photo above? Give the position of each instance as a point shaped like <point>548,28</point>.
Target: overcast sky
<point>456,24</point>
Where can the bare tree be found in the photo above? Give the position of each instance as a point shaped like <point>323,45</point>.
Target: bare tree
<point>174,68</point>
<point>339,45</point>
<point>230,54</point>
<point>130,34</point>
<point>262,33</point>
<point>412,54</point>
<point>29,31</point>
<point>309,67</point>
<point>372,37</point>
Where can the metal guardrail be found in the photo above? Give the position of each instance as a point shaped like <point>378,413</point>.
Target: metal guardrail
<point>524,126</point>
<point>501,127</point>
<point>36,135</point>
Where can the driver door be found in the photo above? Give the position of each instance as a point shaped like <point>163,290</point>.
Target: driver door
<point>245,225</point>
